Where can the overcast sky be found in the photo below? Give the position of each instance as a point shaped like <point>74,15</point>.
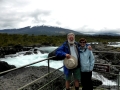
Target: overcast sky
<point>86,16</point>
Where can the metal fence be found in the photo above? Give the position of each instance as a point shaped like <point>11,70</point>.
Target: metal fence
<point>107,70</point>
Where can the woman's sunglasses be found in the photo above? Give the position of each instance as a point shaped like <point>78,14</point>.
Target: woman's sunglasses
<point>82,42</point>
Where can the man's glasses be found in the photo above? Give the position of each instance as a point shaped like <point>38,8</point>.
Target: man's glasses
<point>82,42</point>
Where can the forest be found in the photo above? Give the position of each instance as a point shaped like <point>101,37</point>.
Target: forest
<point>27,40</point>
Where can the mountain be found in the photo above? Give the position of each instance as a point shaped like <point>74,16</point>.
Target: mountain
<point>108,34</point>
<point>40,30</point>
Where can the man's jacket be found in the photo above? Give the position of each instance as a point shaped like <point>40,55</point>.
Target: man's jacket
<point>63,50</point>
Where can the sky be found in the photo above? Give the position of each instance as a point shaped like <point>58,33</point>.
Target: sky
<point>85,16</point>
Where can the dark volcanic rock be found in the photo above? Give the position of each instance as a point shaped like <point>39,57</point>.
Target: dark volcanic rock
<point>5,66</point>
<point>12,50</point>
<point>96,82</point>
<point>21,77</point>
<point>16,79</point>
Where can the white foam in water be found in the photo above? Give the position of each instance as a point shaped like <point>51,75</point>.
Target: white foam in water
<point>115,45</point>
<point>104,80</point>
<point>21,60</point>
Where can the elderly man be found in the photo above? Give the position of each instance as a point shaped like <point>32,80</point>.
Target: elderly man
<point>69,48</point>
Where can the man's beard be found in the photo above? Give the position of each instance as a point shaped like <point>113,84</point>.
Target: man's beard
<point>71,42</point>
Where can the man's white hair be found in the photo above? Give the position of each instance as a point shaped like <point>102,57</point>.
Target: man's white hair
<point>71,34</point>
<point>71,42</point>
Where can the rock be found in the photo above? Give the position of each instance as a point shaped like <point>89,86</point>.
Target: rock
<point>12,50</point>
<point>5,66</point>
<point>18,78</point>
<point>28,53</point>
<point>96,82</point>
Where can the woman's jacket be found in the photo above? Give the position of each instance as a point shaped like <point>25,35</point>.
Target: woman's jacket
<point>86,59</point>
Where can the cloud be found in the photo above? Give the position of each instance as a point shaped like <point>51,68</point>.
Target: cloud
<point>14,16</point>
<point>88,16</point>
<point>38,15</point>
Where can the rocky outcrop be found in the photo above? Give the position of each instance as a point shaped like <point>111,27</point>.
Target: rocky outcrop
<point>33,51</point>
<point>12,50</point>
<point>96,82</point>
<point>17,48</point>
<point>108,55</point>
<point>5,66</point>
<point>18,78</point>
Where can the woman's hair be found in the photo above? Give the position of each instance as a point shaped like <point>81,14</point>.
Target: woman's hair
<point>82,39</point>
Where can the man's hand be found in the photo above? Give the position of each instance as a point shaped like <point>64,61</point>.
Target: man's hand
<point>67,56</point>
<point>89,47</point>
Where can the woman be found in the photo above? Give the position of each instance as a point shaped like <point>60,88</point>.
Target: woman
<point>86,63</point>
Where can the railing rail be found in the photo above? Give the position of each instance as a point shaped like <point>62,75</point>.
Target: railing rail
<point>45,75</point>
<point>48,72</point>
<point>38,79</point>
<point>27,65</point>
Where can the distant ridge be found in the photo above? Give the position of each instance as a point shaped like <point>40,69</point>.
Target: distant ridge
<point>108,34</point>
<point>40,30</point>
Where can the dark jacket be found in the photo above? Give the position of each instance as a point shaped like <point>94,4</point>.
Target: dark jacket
<point>63,50</point>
